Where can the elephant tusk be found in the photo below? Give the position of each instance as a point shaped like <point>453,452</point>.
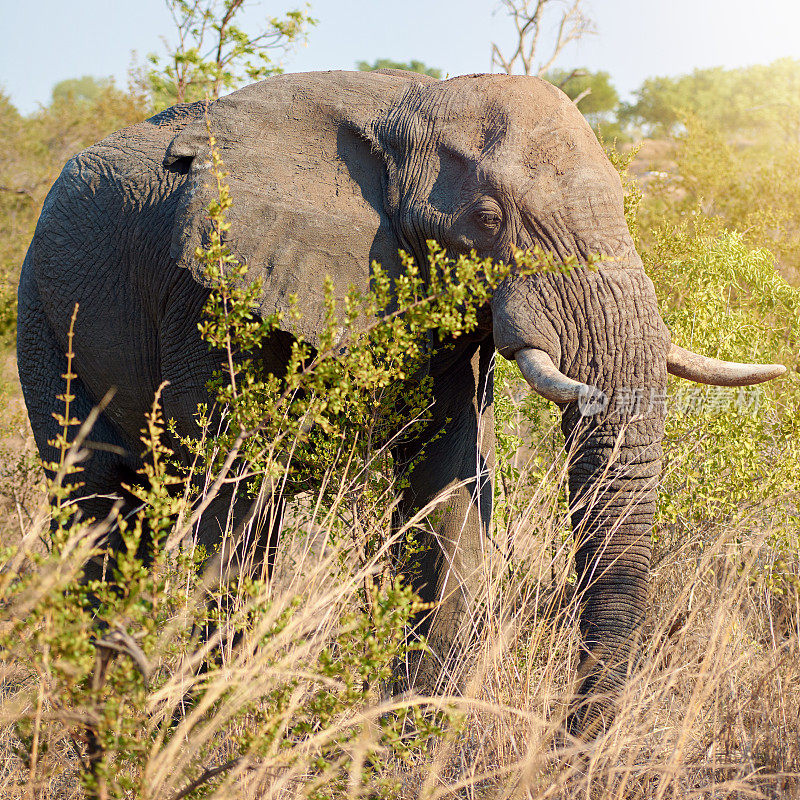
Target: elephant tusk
<point>689,365</point>
<point>545,378</point>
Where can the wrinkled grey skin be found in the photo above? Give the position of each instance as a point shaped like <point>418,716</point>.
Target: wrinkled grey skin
<point>329,171</point>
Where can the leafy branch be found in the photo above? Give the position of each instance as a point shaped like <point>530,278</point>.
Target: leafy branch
<point>215,53</point>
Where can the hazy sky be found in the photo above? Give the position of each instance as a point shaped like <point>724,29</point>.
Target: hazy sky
<point>49,40</point>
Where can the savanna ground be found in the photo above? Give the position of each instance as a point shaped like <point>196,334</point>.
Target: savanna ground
<point>299,707</point>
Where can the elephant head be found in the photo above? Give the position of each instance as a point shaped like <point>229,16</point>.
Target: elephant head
<point>494,163</point>
<point>370,163</point>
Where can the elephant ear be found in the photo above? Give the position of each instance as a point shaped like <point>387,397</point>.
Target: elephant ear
<point>306,185</point>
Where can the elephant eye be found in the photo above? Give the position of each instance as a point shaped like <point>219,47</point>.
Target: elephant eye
<point>488,216</point>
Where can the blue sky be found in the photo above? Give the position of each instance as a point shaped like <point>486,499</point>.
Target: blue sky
<point>49,40</point>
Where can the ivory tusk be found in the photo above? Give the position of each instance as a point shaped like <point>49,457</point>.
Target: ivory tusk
<point>545,378</point>
<point>693,367</point>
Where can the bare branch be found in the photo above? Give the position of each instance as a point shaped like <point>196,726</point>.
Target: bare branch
<point>574,25</point>
<point>585,93</point>
<point>497,59</point>
<point>576,73</point>
<point>528,17</point>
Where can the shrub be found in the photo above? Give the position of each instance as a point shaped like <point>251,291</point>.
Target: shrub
<point>116,668</point>
<point>748,186</point>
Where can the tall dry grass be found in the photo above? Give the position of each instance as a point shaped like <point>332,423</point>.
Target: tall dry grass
<point>709,708</point>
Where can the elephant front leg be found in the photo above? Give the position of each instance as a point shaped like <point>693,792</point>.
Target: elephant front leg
<point>444,554</point>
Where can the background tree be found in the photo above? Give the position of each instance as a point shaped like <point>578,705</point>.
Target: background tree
<point>744,101</point>
<point>529,17</point>
<point>214,53</point>
<point>84,89</point>
<point>410,66</point>
<point>592,92</point>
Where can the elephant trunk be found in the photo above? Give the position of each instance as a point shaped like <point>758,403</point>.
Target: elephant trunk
<point>593,341</point>
<point>613,500</point>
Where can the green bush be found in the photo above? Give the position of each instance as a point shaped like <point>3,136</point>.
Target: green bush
<point>748,187</point>
<point>731,455</point>
<point>117,667</point>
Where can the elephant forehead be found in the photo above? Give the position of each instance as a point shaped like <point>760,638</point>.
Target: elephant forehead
<point>518,95</point>
<point>507,124</point>
<point>542,174</point>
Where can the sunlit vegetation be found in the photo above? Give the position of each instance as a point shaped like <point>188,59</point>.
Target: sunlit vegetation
<point>300,706</point>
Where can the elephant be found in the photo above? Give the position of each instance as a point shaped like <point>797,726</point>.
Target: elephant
<point>330,172</point>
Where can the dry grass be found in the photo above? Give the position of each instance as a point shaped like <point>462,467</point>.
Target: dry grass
<point>710,708</point>
<point>20,475</point>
